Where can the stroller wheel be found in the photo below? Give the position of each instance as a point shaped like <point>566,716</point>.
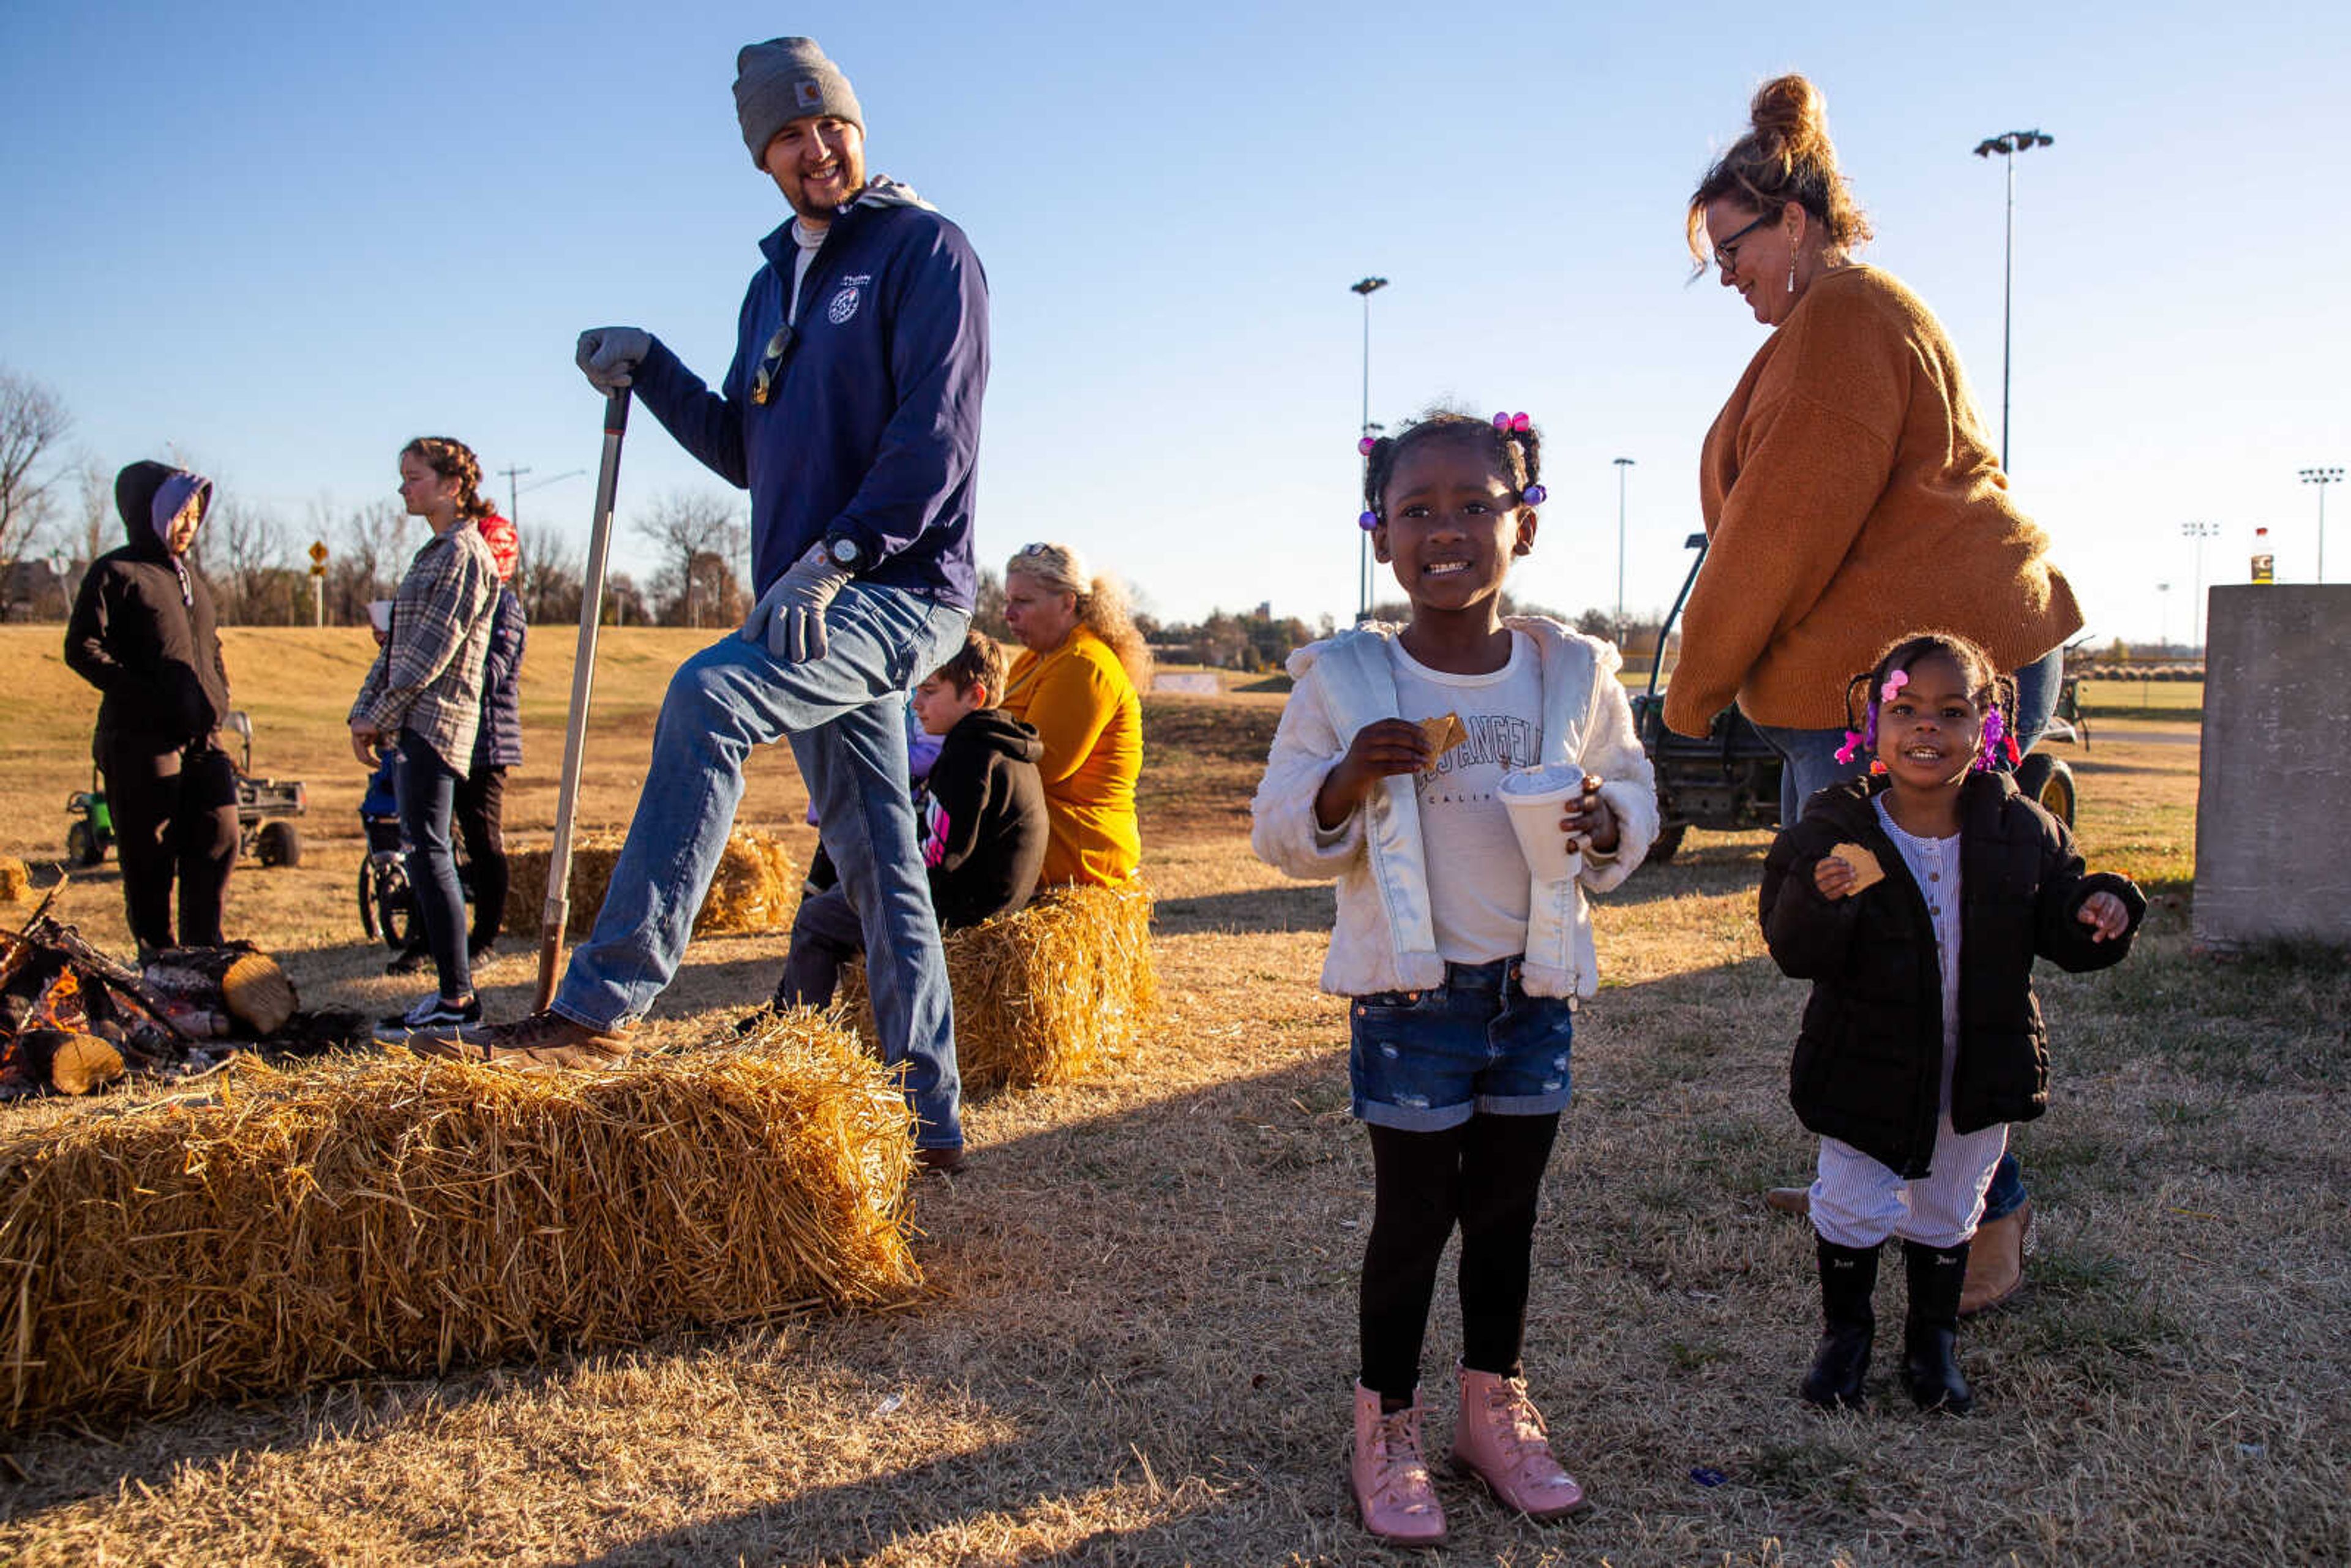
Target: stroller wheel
<point>387,909</point>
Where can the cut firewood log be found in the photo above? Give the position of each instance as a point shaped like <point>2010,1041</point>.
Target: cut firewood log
<point>69,1062</point>
<point>248,985</point>
<point>63,941</point>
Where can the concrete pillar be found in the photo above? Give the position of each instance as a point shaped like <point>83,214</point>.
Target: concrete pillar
<point>2273,809</point>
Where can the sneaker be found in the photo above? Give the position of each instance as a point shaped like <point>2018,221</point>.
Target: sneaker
<point>544,1039</point>
<point>430,1016</point>
<point>409,961</point>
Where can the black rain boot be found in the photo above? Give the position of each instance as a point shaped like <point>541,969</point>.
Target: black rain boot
<point>1848,1276</point>
<point>1930,1366</point>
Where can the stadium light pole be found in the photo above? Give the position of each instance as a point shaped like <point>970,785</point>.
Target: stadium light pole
<point>2322,477</point>
<point>2163,613</point>
<point>2198,532</point>
<point>1366,287</point>
<point>1624,466</point>
<point>2008,144</point>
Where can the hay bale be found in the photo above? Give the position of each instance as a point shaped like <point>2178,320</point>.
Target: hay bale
<point>1044,995</point>
<point>15,882</point>
<point>757,887</point>
<point>400,1215</point>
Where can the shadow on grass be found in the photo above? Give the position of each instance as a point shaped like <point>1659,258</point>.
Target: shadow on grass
<point>1296,906</point>
<point>1168,1287</point>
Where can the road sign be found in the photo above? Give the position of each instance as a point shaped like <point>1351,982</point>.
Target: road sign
<point>317,552</point>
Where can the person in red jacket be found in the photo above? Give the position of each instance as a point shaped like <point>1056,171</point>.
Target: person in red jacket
<point>143,633</point>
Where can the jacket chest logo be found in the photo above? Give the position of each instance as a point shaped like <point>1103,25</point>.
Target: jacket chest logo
<point>844,303</point>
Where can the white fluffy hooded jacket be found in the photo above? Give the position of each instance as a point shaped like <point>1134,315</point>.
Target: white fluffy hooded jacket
<point>1384,939</point>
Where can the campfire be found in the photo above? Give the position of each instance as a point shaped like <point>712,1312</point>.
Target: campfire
<point>74,1019</point>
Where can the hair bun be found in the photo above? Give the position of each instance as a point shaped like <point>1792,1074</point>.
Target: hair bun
<point>1791,111</point>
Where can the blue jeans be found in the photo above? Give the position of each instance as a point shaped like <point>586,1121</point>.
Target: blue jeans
<point>1810,765</point>
<point>1426,1061</point>
<point>843,716</point>
<point>427,790</point>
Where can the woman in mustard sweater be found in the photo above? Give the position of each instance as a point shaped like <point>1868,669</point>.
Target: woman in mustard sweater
<point>1075,682</point>
<point>1852,493</point>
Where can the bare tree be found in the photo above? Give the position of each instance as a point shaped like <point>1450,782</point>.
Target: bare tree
<point>988,615</point>
<point>547,577</point>
<point>245,548</point>
<point>32,422</point>
<point>372,546</point>
<point>624,602</point>
<point>98,527</point>
<point>687,526</point>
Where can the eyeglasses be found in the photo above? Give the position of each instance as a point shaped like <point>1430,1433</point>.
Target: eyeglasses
<point>1036,549</point>
<point>771,363</point>
<point>1725,251</point>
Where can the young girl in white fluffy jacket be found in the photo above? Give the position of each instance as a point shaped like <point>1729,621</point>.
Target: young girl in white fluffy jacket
<point>1464,964</point>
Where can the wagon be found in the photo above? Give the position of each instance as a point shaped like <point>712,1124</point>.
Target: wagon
<point>265,808</point>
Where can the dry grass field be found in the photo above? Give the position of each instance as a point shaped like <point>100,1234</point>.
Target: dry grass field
<point>1135,1343</point>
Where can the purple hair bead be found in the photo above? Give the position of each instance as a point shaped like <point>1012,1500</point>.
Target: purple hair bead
<point>1365,446</point>
<point>1533,495</point>
<point>1368,521</point>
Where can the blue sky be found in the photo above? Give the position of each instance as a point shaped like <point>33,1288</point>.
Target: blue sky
<point>287,238</point>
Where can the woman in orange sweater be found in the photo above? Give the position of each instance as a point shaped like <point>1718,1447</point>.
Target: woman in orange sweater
<point>1075,682</point>
<point>1850,495</point>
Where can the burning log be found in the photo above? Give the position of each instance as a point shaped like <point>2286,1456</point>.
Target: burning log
<point>213,991</point>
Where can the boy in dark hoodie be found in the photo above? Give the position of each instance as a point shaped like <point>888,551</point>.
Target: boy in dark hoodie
<point>981,812</point>
<point>143,633</point>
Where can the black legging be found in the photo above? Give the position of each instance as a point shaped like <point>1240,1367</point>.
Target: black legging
<point>1486,1174</point>
<point>479,807</point>
<point>175,819</point>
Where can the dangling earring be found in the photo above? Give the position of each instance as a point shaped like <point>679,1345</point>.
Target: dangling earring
<point>1791,272</point>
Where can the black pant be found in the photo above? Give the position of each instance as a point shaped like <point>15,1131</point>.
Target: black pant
<point>479,809</point>
<point>174,817</point>
<point>1485,1174</point>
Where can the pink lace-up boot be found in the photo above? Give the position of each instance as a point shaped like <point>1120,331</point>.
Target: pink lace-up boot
<point>1392,1485</point>
<point>1501,1438</point>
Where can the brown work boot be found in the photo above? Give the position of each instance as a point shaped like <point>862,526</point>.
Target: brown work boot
<point>1996,1260</point>
<point>941,1162</point>
<point>544,1039</point>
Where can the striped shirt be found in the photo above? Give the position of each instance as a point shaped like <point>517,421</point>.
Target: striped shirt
<point>427,676</point>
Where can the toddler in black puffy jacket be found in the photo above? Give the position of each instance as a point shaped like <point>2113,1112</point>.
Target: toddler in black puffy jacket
<point>1915,901</point>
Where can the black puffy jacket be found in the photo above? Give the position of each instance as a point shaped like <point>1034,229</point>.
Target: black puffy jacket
<point>141,630</point>
<point>1868,1060</point>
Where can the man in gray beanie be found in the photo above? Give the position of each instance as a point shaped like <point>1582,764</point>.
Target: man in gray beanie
<point>852,414</point>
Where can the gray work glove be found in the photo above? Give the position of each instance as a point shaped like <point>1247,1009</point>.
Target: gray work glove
<point>789,617</point>
<point>609,355</point>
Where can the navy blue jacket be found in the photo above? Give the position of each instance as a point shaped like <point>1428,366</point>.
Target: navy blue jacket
<point>873,425</point>
<point>498,743</point>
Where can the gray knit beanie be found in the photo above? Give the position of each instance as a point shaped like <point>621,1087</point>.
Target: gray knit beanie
<point>782,80</point>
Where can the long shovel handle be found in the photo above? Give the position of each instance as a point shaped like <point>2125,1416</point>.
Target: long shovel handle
<point>557,911</point>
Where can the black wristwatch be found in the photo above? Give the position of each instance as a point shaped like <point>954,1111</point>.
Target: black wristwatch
<point>845,552</point>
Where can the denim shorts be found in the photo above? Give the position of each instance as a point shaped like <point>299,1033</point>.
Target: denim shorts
<point>1426,1061</point>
